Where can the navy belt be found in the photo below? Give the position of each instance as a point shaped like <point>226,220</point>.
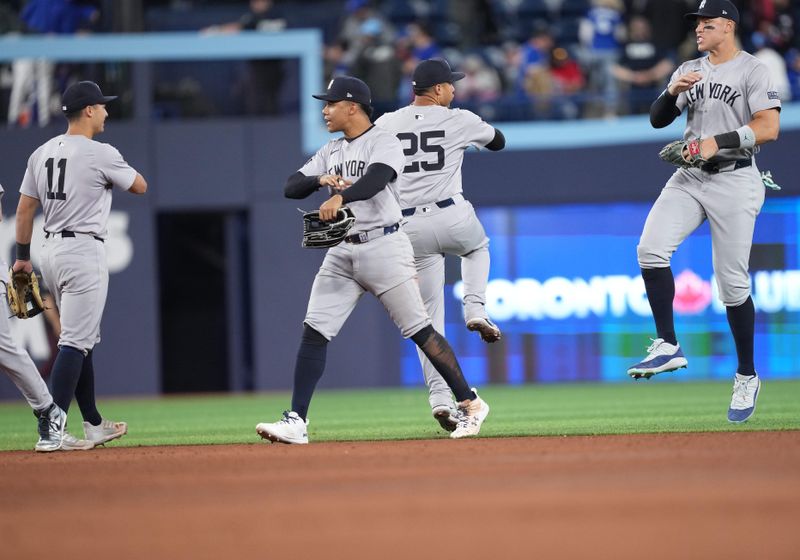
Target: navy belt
<point>66,233</point>
<point>717,166</point>
<point>365,236</point>
<point>441,204</point>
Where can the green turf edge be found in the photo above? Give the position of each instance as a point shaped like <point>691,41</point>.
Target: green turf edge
<point>403,414</point>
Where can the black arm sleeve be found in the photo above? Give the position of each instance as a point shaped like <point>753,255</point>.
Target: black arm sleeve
<point>498,142</point>
<point>370,184</point>
<point>663,110</point>
<point>300,186</point>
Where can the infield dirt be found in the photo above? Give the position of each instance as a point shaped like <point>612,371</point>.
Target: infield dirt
<point>725,495</point>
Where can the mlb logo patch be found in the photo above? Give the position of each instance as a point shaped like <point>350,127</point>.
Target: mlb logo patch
<point>418,117</point>
<point>773,95</point>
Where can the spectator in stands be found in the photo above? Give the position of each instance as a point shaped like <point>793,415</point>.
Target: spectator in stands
<point>534,57</point>
<point>601,32</point>
<point>668,27</point>
<point>43,17</point>
<point>264,79</point>
<point>413,46</point>
<point>774,63</point>
<point>480,83</point>
<point>642,68</point>
<point>376,64</point>
<point>793,71</point>
<point>554,87</point>
<point>351,33</point>
<point>474,20</point>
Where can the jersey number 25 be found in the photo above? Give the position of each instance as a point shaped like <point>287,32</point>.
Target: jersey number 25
<point>423,141</point>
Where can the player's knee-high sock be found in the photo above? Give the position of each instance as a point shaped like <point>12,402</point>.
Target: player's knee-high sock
<point>84,392</point>
<point>308,369</point>
<point>65,374</point>
<point>441,355</point>
<point>742,320</point>
<point>660,287</point>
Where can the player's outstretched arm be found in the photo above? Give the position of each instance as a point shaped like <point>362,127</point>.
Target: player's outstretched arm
<point>498,142</point>
<point>301,186</point>
<point>139,185</point>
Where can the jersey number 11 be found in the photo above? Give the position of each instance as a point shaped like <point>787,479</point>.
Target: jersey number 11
<point>62,169</point>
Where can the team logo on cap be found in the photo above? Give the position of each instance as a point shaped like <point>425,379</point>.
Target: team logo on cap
<point>349,94</point>
<point>703,4</point>
<point>330,84</point>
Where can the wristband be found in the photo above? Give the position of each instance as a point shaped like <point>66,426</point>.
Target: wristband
<point>743,137</point>
<point>747,138</point>
<point>23,251</point>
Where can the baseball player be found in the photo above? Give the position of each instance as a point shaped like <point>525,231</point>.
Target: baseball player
<point>439,220</point>
<point>72,177</point>
<point>377,257</point>
<point>17,364</point>
<point>732,109</point>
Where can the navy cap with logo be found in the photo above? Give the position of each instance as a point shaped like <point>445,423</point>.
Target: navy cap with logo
<point>428,73</point>
<point>83,94</point>
<point>715,9</point>
<point>346,88</point>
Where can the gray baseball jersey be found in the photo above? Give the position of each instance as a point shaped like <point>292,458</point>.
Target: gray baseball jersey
<point>14,360</point>
<point>434,140</point>
<point>726,98</point>
<point>383,265</point>
<point>729,197</point>
<point>350,159</point>
<point>72,177</point>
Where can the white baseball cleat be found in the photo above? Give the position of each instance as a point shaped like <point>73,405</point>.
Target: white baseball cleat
<point>488,330</point>
<point>105,431</point>
<point>53,435</point>
<point>289,429</point>
<point>473,413</point>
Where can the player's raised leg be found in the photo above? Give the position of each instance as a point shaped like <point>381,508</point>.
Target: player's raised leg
<point>673,217</point>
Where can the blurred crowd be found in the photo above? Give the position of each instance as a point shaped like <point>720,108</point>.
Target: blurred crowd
<point>523,59</point>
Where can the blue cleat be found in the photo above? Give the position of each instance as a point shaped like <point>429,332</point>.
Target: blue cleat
<point>661,357</point>
<point>743,401</point>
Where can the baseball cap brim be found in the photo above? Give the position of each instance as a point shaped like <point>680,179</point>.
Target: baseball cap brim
<point>455,76</point>
<point>327,97</point>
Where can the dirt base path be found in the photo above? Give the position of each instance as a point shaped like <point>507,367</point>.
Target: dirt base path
<point>704,496</point>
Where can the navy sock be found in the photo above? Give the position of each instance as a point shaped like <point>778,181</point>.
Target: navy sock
<point>65,374</point>
<point>308,369</point>
<point>742,319</point>
<point>438,351</point>
<point>84,392</point>
<point>660,287</point>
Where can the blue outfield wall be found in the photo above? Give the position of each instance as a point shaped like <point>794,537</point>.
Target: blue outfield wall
<point>550,212</point>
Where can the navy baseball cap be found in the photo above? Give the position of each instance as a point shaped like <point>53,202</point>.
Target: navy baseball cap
<point>715,9</point>
<point>346,88</point>
<point>82,95</point>
<point>428,73</point>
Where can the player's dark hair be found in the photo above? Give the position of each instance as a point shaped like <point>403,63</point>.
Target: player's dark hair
<point>422,91</point>
<point>368,109</point>
<point>73,116</point>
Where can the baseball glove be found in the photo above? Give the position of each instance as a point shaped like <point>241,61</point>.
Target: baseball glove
<point>319,234</point>
<point>24,298</point>
<point>674,153</point>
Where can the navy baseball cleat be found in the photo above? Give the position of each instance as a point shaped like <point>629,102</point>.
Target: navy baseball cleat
<point>661,357</point>
<point>743,400</point>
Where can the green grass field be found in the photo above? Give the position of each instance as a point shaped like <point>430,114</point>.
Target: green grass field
<point>390,414</point>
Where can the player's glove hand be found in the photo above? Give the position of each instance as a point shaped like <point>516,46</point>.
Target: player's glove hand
<point>683,153</point>
<point>319,234</point>
<point>24,298</point>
